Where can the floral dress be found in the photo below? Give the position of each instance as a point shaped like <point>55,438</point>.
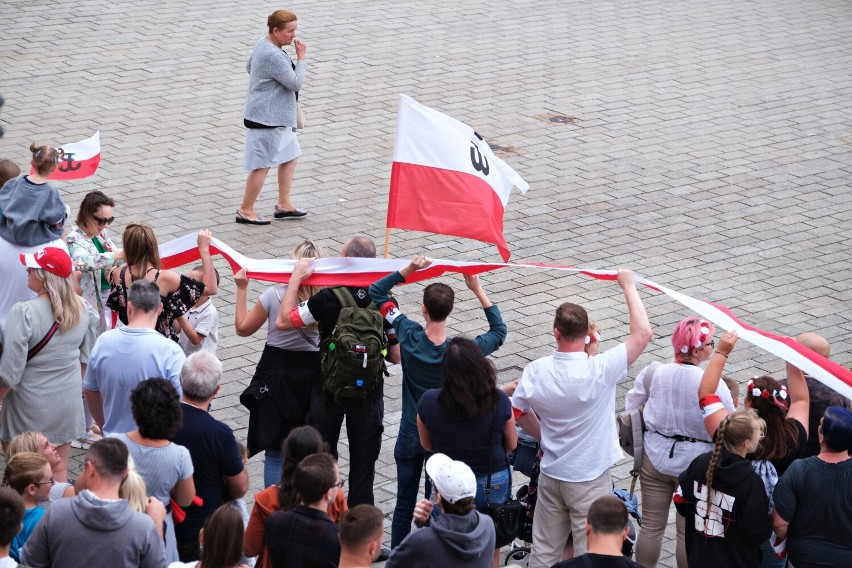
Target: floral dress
<point>91,255</point>
<point>175,304</point>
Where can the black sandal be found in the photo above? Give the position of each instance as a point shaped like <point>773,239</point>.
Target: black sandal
<point>243,219</point>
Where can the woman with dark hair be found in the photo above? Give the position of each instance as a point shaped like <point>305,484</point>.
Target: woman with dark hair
<point>302,442</point>
<point>722,499</point>
<point>32,216</point>
<point>166,467</point>
<point>220,541</point>
<point>93,252</point>
<point>786,422</point>
<point>470,420</point>
<point>178,292</point>
<point>813,499</point>
<point>675,434</point>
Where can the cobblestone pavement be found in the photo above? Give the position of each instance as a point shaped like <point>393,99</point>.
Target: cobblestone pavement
<point>706,145</point>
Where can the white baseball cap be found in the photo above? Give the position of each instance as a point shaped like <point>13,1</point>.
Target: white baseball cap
<point>453,479</point>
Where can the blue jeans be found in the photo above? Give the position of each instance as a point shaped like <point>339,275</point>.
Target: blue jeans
<point>770,560</point>
<point>409,456</point>
<point>501,489</point>
<point>271,467</point>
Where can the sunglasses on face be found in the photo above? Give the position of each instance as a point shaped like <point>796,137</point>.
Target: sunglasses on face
<point>103,222</point>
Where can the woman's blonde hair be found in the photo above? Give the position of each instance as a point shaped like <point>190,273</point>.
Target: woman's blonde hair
<point>24,442</point>
<point>140,246</point>
<point>23,470</point>
<point>66,305</point>
<point>307,249</point>
<point>133,488</point>
<point>737,428</point>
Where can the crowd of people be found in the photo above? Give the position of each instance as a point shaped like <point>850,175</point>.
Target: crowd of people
<point>106,351</point>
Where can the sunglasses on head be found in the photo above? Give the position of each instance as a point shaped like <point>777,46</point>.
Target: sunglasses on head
<point>103,222</point>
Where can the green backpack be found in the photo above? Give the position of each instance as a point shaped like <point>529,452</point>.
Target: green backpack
<point>353,356</point>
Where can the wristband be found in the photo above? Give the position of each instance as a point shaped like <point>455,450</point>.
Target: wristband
<point>725,355</point>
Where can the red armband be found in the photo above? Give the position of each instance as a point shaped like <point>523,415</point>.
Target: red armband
<point>709,404</point>
<point>518,412</point>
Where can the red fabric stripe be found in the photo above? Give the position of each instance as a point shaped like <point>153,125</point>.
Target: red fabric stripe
<point>709,399</point>
<point>86,168</point>
<point>296,318</point>
<point>446,202</point>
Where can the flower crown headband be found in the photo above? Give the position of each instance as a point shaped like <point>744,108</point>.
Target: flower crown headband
<point>778,397</point>
<point>703,335</point>
<point>593,338</point>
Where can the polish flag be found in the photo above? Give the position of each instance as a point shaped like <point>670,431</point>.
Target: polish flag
<point>81,159</point>
<point>445,179</point>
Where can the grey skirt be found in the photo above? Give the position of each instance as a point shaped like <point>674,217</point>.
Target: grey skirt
<point>270,147</point>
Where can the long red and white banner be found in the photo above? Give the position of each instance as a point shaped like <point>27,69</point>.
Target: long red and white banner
<point>365,271</point>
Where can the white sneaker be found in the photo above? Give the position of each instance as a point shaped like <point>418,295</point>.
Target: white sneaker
<point>85,441</point>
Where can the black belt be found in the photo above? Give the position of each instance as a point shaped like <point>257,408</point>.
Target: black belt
<point>679,438</point>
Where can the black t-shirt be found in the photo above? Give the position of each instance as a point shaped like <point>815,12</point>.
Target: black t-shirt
<point>815,497</point>
<point>214,454</point>
<point>590,560</point>
<point>325,309</point>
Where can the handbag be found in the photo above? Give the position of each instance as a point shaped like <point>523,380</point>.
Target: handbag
<point>509,517</point>
<point>300,116</point>
<point>631,428</point>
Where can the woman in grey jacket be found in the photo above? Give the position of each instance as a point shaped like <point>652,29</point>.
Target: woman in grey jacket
<point>270,117</point>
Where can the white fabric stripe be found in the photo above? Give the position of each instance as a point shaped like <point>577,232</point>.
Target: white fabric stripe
<point>305,314</point>
<point>711,408</point>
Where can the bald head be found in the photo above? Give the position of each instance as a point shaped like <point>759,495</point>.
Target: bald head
<point>815,343</point>
<point>359,246</point>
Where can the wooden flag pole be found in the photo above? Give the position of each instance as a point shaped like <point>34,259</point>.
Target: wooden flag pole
<point>387,241</point>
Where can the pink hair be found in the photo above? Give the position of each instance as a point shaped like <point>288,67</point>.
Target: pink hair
<point>687,334</point>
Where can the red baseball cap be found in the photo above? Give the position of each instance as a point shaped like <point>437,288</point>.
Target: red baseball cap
<point>52,259</point>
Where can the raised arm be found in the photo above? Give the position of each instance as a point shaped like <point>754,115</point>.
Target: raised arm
<point>491,340</point>
<point>301,270</point>
<point>798,387</point>
<point>208,277</point>
<point>640,327</point>
<point>246,323</point>
<point>711,405</point>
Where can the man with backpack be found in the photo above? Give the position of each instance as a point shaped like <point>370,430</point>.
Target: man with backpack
<point>422,352</point>
<point>355,342</point>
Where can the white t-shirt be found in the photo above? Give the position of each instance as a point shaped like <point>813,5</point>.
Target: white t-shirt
<point>574,397</point>
<point>205,321</point>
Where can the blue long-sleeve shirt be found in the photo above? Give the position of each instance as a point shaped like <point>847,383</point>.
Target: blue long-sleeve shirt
<point>422,359</point>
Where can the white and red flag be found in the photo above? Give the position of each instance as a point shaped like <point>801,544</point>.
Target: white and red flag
<point>80,159</point>
<point>445,178</point>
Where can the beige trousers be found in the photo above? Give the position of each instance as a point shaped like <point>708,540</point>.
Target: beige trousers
<point>561,509</point>
<point>657,490</point>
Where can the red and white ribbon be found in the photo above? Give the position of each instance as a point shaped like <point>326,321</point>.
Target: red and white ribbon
<point>364,271</point>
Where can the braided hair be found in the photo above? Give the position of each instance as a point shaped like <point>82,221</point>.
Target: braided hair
<point>736,429</point>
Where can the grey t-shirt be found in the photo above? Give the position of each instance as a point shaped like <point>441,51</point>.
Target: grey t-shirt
<point>292,339</point>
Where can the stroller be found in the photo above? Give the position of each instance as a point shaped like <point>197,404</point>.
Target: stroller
<point>527,460</point>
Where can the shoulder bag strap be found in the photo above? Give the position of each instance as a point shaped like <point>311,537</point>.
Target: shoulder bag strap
<point>490,453</point>
<point>44,341</point>
<point>649,376</point>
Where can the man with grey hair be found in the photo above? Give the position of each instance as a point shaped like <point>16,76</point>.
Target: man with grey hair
<point>124,357</point>
<point>220,473</point>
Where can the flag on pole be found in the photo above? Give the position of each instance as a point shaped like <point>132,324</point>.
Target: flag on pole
<point>80,159</point>
<point>445,179</point>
